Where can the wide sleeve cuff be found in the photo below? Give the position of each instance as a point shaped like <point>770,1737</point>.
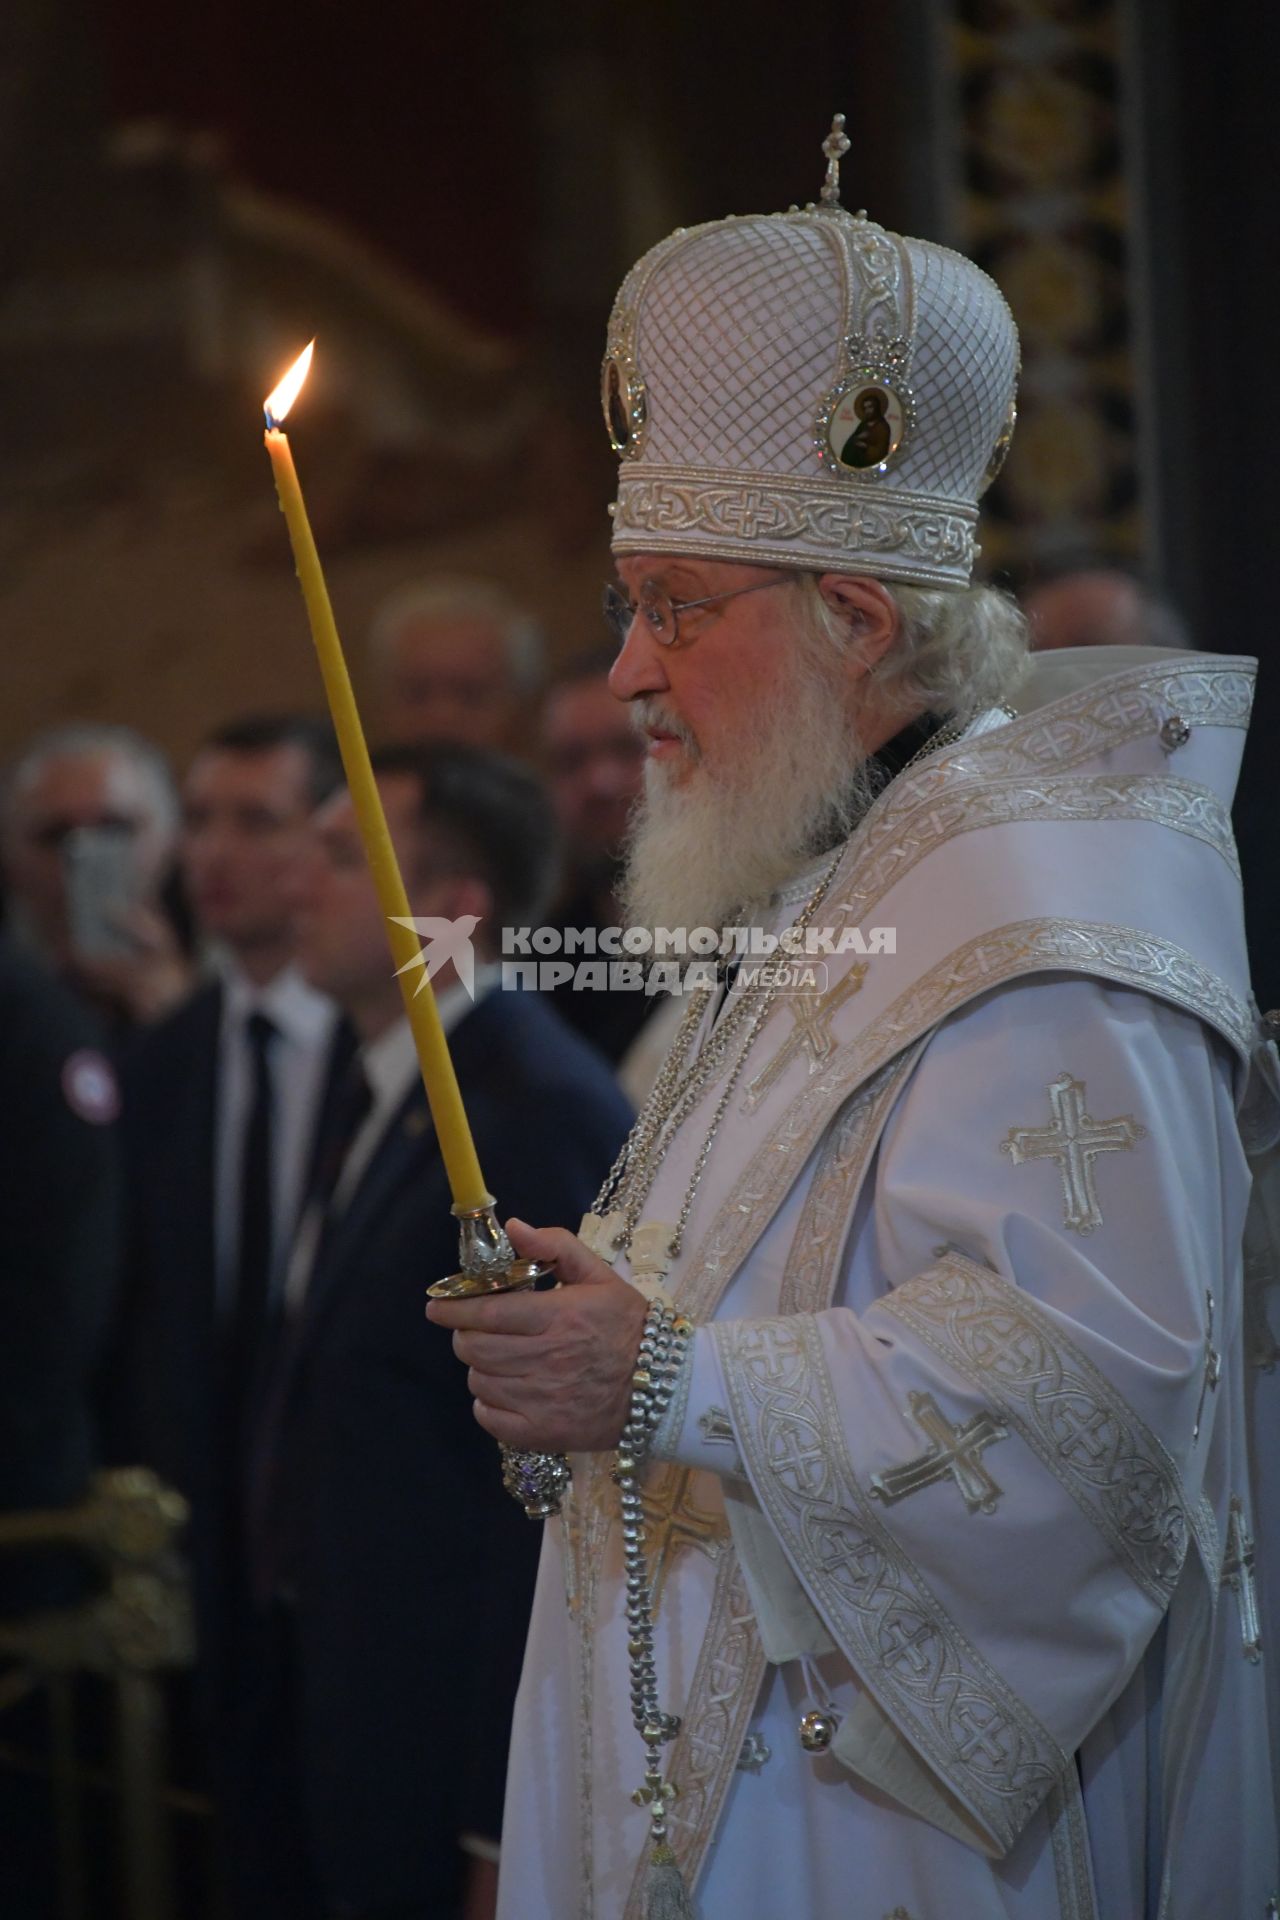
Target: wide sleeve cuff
<point>695,1430</point>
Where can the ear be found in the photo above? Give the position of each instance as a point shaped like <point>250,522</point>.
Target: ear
<point>868,609</point>
<point>460,893</point>
<point>456,894</point>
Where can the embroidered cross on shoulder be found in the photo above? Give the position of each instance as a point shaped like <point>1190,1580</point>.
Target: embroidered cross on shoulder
<point>1074,1140</point>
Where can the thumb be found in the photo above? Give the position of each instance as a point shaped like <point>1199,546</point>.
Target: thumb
<point>575,1264</point>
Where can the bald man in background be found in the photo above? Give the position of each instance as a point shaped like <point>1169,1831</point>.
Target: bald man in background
<point>593,759</point>
<point>455,661</point>
<point>1099,607</point>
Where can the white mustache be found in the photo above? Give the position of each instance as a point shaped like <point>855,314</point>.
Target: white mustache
<point>648,714</point>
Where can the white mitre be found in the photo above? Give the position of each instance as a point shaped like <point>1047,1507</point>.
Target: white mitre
<point>806,389</point>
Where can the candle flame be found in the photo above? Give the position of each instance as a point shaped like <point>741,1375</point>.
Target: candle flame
<point>281,398</point>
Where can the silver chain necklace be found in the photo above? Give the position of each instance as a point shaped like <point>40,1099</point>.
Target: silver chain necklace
<point>687,1072</point>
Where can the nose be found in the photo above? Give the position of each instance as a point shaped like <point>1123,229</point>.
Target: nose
<point>641,665</point>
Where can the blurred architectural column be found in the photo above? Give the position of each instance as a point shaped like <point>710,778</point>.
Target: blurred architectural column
<point>1047,190</point>
<point>1102,161</point>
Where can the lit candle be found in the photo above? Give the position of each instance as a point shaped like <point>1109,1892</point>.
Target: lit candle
<point>438,1077</point>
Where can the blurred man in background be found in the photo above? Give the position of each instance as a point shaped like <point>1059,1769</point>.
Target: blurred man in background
<point>456,660</point>
<point>371,1739</point>
<point>221,1106</point>
<point>1099,607</point>
<point>59,1194</point>
<point>594,762</point>
<point>88,832</point>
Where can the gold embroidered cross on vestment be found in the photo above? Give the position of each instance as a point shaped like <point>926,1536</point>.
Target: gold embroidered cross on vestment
<point>812,1014</point>
<point>673,1522</point>
<point>1237,1573</point>
<point>1074,1140</point>
<point>955,1454</point>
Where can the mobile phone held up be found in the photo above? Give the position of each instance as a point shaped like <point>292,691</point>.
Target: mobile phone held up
<point>102,890</point>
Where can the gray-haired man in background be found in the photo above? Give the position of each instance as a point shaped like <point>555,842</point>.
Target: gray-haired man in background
<point>455,660</point>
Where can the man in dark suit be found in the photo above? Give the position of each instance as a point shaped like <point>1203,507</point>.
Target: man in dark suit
<point>392,1573</point>
<point>221,1102</point>
<point>59,1194</point>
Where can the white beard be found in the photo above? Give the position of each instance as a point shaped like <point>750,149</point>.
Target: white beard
<point>707,851</point>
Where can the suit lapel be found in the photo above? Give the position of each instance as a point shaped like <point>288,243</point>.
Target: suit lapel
<point>342,1049</point>
<point>397,1158</point>
<point>406,1151</point>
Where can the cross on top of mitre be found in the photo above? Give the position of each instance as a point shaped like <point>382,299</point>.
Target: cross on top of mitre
<point>835,146</point>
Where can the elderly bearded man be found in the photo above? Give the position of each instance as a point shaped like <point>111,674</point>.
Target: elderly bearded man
<point>932,1525</point>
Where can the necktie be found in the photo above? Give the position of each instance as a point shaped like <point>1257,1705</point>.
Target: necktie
<point>246,1320</point>
<point>352,1100</point>
<point>253,1264</point>
<point>269,1507</point>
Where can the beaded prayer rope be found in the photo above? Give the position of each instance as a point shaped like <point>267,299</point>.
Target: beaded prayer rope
<point>659,1363</point>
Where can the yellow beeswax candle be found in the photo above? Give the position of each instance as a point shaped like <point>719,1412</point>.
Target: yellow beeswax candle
<point>438,1077</point>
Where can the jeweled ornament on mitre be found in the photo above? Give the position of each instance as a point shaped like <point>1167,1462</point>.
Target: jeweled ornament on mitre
<point>806,389</point>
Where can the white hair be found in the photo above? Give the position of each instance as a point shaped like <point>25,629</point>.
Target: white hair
<point>1100,605</point>
<point>459,598</point>
<point>957,651</point>
<point>85,738</point>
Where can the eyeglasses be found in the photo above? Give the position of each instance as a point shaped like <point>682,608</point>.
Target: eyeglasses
<point>660,613</point>
<point>51,835</point>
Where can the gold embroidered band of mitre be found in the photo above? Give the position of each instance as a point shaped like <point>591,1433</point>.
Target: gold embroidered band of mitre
<point>796,521</point>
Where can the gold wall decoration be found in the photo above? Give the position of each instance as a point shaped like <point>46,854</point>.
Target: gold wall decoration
<point>1045,198</point>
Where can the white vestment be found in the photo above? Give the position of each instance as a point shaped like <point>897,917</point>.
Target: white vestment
<point>965,1455</point>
